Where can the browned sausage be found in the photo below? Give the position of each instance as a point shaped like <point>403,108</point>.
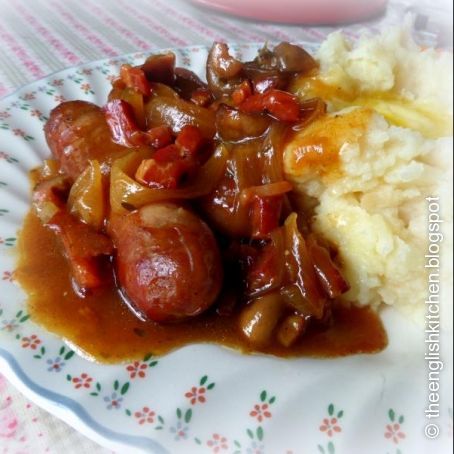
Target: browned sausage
<point>76,132</point>
<point>168,262</point>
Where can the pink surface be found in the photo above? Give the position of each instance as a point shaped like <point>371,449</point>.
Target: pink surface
<point>299,11</point>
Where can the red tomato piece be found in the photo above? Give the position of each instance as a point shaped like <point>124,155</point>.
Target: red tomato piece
<point>120,118</point>
<point>168,169</point>
<point>242,92</point>
<point>134,77</point>
<point>280,104</point>
<point>167,154</point>
<point>253,104</point>
<point>190,140</point>
<point>265,215</point>
<point>160,136</point>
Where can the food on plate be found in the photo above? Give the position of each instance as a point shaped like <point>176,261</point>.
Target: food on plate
<point>167,260</point>
<point>391,151</point>
<point>273,208</point>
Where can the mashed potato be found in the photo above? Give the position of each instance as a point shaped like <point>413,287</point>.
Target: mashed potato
<point>409,86</point>
<point>363,178</point>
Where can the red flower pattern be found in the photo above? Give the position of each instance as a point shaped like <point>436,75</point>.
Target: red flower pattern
<point>137,369</point>
<point>196,395</point>
<point>260,412</point>
<point>57,82</point>
<point>85,87</point>
<point>394,433</point>
<point>330,426</point>
<point>36,113</point>
<point>8,276</point>
<point>19,132</point>
<point>146,415</point>
<point>29,96</point>
<point>84,381</point>
<point>31,342</point>
<point>217,443</point>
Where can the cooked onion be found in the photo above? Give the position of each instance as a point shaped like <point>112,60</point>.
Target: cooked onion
<point>49,197</point>
<point>290,330</point>
<point>87,198</point>
<point>176,113</point>
<point>292,58</point>
<point>266,190</point>
<point>258,319</point>
<point>126,192</point>
<point>233,125</point>
<point>305,294</point>
<point>135,99</point>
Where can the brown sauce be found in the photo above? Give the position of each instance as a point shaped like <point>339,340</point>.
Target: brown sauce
<point>103,327</point>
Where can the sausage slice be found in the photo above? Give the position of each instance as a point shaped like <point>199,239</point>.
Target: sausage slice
<point>168,262</point>
<point>76,132</point>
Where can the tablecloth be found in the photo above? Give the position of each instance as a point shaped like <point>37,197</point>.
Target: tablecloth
<point>38,37</point>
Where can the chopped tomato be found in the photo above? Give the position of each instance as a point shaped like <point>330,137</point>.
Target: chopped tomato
<point>168,168</point>
<point>120,118</point>
<point>164,174</point>
<point>134,77</point>
<point>160,136</point>
<point>265,215</point>
<point>242,92</point>
<point>280,104</point>
<point>174,163</point>
<point>190,140</point>
<point>167,154</point>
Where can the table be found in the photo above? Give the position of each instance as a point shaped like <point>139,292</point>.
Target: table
<point>40,37</point>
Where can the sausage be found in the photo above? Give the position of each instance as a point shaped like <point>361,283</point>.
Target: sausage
<point>77,132</point>
<point>168,264</point>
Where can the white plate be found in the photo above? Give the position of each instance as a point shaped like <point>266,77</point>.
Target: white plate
<point>201,398</point>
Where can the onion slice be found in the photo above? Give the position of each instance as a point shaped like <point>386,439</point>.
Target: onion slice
<point>126,193</point>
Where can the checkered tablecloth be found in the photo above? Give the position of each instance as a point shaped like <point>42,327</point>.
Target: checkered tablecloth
<point>39,37</point>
